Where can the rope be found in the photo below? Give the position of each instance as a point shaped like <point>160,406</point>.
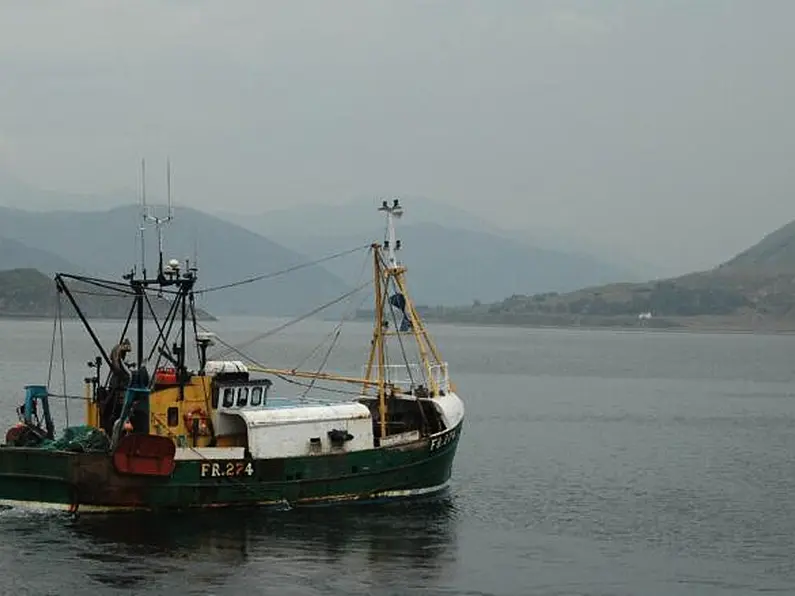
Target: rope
<point>54,330</point>
<point>63,360</point>
<point>319,387</point>
<point>281,272</point>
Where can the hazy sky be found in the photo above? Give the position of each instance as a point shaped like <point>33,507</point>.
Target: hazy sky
<point>663,128</point>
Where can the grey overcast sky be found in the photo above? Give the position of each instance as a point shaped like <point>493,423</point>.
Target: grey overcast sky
<point>662,128</point>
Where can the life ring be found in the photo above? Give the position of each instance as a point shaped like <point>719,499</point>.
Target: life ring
<point>197,414</point>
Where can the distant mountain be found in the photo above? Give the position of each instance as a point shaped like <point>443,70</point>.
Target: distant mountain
<point>453,257</point>
<point>357,218</point>
<point>18,255</point>
<point>30,293</point>
<point>15,193</point>
<point>635,269</point>
<point>755,290</point>
<point>106,243</point>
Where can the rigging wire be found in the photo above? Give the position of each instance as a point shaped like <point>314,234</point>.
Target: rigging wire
<point>400,337</point>
<point>113,286</point>
<point>169,318</point>
<point>54,331</point>
<point>318,346</point>
<point>281,327</point>
<point>282,377</point>
<point>405,358</point>
<point>57,323</point>
<point>104,294</point>
<point>337,333</point>
<point>123,288</point>
<point>319,387</point>
<point>281,272</point>
<point>63,360</point>
<point>236,349</point>
<point>120,288</point>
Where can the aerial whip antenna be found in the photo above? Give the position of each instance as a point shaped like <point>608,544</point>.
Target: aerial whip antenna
<point>168,189</point>
<point>144,216</point>
<point>160,221</point>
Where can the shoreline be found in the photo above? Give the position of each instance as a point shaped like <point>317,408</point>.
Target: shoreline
<point>696,325</point>
<point>639,329</point>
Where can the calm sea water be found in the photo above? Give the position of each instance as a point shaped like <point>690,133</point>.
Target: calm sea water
<point>592,462</point>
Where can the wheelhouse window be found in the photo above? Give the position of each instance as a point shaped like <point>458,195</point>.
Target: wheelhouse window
<point>256,396</point>
<point>229,397</point>
<point>242,397</point>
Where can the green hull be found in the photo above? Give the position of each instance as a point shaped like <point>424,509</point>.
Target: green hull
<point>88,482</point>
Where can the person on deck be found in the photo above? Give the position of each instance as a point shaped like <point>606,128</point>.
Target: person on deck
<point>111,404</point>
<point>121,375</point>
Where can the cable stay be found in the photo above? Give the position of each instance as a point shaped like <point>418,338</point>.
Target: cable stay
<point>336,335</point>
<point>280,272</point>
<point>317,374</point>
<point>57,330</point>
<point>237,348</point>
<point>335,332</point>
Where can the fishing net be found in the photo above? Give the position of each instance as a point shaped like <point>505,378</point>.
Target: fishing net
<point>78,438</point>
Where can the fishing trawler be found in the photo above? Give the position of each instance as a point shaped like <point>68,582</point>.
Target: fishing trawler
<point>211,434</point>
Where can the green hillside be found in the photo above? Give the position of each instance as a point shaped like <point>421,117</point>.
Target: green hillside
<point>775,252</point>
<point>753,291</point>
<point>30,293</point>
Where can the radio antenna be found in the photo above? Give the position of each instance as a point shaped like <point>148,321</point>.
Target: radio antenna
<point>160,221</point>
<point>168,190</point>
<point>144,216</point>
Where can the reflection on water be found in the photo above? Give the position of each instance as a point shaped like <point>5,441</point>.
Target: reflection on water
<point>594,463</point>
<point>231,549</point>
<point>405,528</point>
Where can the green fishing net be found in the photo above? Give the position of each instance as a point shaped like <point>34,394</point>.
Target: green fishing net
<point>78,438</point>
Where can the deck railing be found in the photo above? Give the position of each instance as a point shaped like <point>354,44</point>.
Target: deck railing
<point>415,374</point>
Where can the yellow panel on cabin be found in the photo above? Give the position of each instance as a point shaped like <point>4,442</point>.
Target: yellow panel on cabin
<point>197,399</point>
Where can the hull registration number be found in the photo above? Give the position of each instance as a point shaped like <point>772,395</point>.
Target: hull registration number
<point>439,442</point>
<point>226,469</point>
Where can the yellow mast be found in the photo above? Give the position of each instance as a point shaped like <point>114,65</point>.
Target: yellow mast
<point>379,344</point>
<point>417,325</point>
<point>385,267</point>
<point>377,321</point>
